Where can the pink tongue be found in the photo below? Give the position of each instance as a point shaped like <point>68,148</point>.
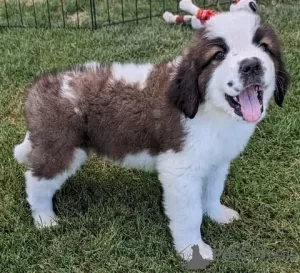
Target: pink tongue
<point>250,105</point>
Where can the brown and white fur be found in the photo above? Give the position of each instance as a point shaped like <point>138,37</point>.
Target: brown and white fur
<point>175,118</point>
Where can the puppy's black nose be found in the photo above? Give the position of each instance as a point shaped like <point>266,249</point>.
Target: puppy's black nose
<point>250,67</point>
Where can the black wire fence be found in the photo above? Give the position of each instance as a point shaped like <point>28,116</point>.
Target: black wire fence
<point>92,14</point>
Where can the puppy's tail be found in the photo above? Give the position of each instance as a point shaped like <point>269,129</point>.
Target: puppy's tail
<point>21,151</point>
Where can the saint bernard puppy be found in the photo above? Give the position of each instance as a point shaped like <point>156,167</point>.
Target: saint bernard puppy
<point>187,119</point>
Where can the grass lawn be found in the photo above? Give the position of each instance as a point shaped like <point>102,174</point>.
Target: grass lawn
<point>77,13</point>
<point>111,218</point>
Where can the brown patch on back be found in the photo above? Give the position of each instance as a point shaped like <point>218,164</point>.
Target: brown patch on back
<point>126,119</point>
<point>115,118</point>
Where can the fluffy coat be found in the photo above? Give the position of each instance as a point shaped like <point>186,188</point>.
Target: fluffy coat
<point>187,119</point>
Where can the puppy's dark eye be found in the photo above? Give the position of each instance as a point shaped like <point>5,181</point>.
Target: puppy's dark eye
<point>264,47</point>
<point>220,55</point>
<point>253,6</point>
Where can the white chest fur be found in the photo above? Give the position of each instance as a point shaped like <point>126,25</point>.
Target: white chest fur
<point>216,138</point>
<point>212,139</point>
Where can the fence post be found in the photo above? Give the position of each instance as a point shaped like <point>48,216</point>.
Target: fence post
<point>93,14</point>
<point>6,13</point>
<point>49,16</point>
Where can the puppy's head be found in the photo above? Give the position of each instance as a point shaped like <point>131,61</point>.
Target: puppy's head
<point>233,65</point>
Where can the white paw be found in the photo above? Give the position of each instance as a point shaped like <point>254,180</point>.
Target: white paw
<point>45,220</point>
<point>188,251</point>
<point>224,215</point>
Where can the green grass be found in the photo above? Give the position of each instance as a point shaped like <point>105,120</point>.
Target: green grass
<point>111,218</point>
<point>76,13</point>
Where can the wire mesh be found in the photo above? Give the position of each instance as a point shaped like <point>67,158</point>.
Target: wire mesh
<point>91,14</point>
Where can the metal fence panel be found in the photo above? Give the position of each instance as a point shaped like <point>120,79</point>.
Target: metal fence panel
<point>91,14</point>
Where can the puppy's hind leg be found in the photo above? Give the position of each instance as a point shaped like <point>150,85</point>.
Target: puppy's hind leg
<point>41,187</point>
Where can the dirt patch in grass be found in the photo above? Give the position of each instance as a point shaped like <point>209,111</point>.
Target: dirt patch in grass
<point>77,18</point>
<point>27,2</point>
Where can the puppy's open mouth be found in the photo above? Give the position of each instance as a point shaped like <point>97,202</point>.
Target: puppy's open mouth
<point>248,104</point>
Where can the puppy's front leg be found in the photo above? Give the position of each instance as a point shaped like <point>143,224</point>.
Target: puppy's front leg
<point>183,206</point>
<point>212,191</point>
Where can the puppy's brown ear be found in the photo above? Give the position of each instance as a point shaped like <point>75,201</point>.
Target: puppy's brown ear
<point>267,32</point>
<point>184,88</point>
<point>282,82</point>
